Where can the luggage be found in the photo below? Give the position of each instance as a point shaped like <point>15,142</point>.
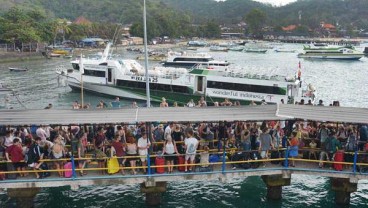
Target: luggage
<point>160,161</point>
<point>10,167</point>
<point>214,158</point>
<point>44,167</point>
<point>241,156</point>
<point>306,155</point>
<point>339,157</point>
<point>205,169</point>
<point>112,165</point>
<point>68,173</point>
<point>275,155</point>
<point>255,156</point>
<point>181,161</point>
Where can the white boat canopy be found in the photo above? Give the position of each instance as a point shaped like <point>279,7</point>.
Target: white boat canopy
<point>181,114</point>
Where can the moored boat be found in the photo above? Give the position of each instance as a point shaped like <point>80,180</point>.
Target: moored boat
<point>255,50</point>
<point>331,52</point>
<point>14,69</point>
<point>188,60</point>
<point>126,79</point>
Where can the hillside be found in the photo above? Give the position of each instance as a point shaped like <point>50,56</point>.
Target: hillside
<point>346,13</point>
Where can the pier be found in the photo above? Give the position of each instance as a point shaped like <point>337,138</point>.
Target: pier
<point>275,173</point>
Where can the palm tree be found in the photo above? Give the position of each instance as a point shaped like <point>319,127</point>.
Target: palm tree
<point>61,26</point>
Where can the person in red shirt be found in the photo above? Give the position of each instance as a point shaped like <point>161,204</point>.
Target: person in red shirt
<point>14,154</point>
<point>118,149</point>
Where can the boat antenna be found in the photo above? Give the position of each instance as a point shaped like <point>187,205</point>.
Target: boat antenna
<point>146,54</point>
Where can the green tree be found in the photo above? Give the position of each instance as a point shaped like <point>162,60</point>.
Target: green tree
<point>212,29</point>
<point>256,20</point>
<point>61,26</point>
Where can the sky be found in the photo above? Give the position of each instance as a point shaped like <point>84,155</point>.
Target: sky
<point>276,2</point>
<point>273,2</point>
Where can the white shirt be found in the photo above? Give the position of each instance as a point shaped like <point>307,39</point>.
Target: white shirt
<point>8,141</point>
<point>191,144</point>
<point>40,132</point>
<point>142,142</point>
<point>167,131</point>
<point>169,148</point>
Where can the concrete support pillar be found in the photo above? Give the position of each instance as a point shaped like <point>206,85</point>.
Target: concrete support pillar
<point>24,196</point>
<point>342,188</point>
<point>153,192</point>
<point>274,185</point>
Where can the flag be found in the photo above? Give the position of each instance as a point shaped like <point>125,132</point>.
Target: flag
<point>299,66</point>
<point>299,71</point>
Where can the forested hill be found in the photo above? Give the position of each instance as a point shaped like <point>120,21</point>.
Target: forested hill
<point>344,12</point>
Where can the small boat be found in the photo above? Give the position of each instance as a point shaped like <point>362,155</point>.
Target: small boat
<point>68,56</point>
<point>237,48</point>
<point>54,55</point>
<point>282,50</point>
<point>13,69</point>
<point>218,48</point>
<point>255,50</point>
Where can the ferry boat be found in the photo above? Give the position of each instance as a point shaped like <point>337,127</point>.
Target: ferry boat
<point>126,79</point>
<point>188,60</point>
<point>331,52</point>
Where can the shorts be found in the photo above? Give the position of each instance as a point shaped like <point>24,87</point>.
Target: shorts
<point>19,165</point>
<point>143,158</point>
<point>170,157</point>
<point>190,156</point>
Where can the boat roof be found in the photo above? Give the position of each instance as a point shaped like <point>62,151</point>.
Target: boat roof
<point>182,114</point>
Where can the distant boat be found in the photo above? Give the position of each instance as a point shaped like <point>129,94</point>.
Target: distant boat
<point>331,52</point>
<point>188,60</point>
<point>218,48</point>
<point>237,48</point>
<point>255,50</point>
<point>54,55</point>
<point>283,50</point>
<point>13,69</point>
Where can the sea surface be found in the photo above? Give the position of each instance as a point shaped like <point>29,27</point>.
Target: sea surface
<point>345,81</point>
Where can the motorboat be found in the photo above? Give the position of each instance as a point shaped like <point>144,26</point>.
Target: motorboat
<point>188,60</point>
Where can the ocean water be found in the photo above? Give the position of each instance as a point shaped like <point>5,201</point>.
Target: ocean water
<point>345,81</point>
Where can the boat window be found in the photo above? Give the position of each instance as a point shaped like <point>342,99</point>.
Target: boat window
<point>153,86</point>
<point>75,66</point>
<point>192,59</point>
<point>247,87</point>
<point>94,73</point>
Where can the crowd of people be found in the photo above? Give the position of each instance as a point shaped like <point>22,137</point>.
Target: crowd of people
<point>26,147</point>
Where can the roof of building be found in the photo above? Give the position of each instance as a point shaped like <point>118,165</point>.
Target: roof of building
<point>289,28</point>
<point>181,114</point>
<point>82,21</point>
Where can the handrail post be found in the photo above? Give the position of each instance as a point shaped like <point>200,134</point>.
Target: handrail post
<point>287,158</point>
<point>73,167</point>
<point>224,160</point>
<point>355,161</point>
<point>148,126</point>
<point>148,164</point>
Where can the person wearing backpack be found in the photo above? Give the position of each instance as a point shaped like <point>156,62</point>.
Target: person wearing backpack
<point>331,146</point>
<point>34,156</point>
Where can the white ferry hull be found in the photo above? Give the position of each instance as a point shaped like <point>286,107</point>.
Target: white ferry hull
<point>106,90</point>
<point>336,56</point>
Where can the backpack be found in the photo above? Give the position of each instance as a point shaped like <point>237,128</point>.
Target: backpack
<point>32,155</point>
<point>328,145</point>
<point>351,144</point>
